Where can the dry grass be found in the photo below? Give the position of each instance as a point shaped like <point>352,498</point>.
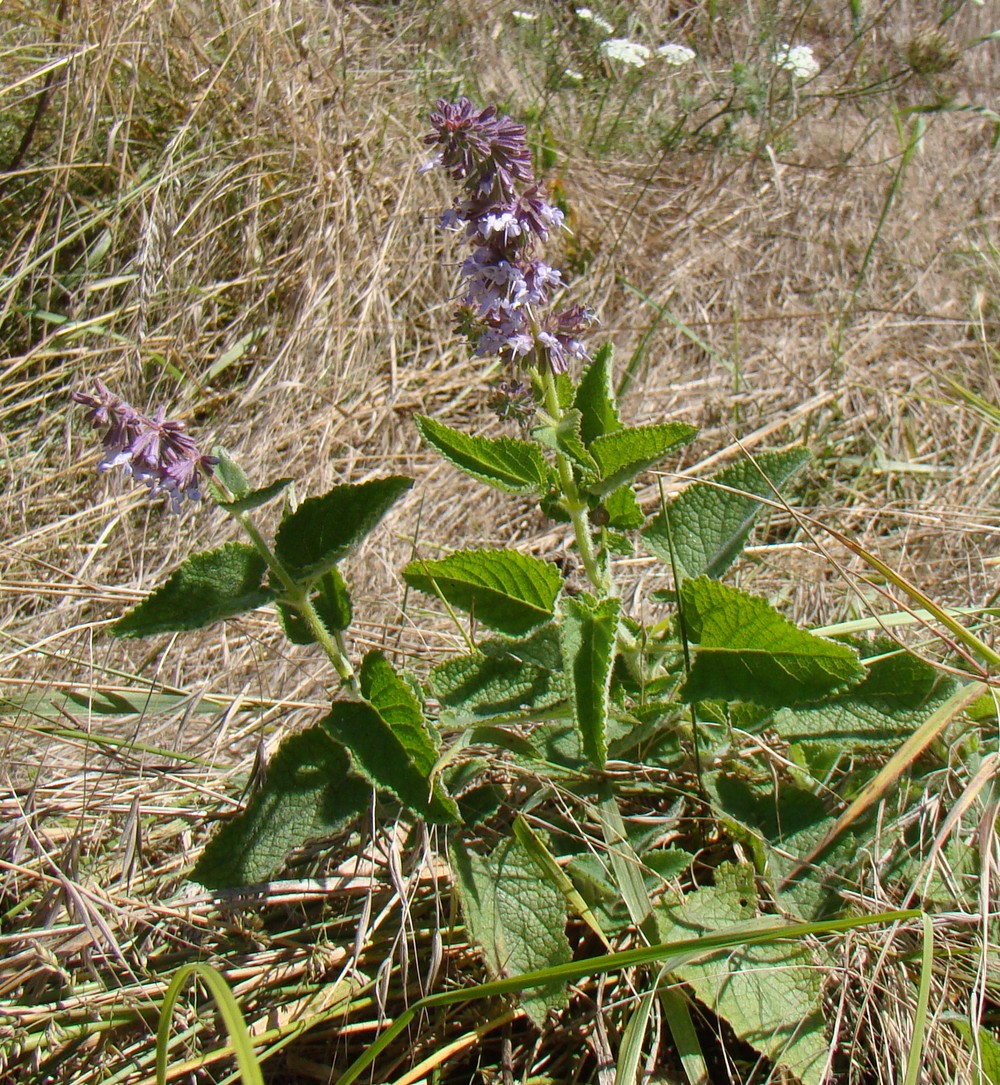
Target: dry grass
<point>218,206</point>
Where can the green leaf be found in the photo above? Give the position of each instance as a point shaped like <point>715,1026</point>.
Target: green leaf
<point>230,474</point>
<point>622,455</point>
<point>589,631</point>
<point>308,793</point>
<point>623,509</point>
<point>332,603</point>
<point>595,399</point>
<point>898,694</point>
<point>748,652</point>
<point>516,916</point>
<point>507,591</point>
<point>323,530</point>
<point>708,525</point>
<point>389,740</point>
<point>780,824</point>
<point>255,498</point>
<point>503,678</point>
<point>503,462</point>
<point>771,994</point>
<point>565,437</point>
<point>208,587</point>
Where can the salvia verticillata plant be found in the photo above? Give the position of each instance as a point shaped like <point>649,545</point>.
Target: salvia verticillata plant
<point>564,688</point>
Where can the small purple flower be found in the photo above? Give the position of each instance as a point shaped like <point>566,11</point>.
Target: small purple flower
<point>157,451</point>
<point>506,216</point>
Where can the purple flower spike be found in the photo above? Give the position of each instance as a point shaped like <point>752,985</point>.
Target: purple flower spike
<point>156,451</point>
<point>506,215</point>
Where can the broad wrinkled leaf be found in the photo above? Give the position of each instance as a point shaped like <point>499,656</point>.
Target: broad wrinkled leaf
<point>515,915</point>
<point>389,741</point>
<point>332,603</point>
<point>748,652</point>
<point>308,792</point>
<point>707,525</point>
<point>208,587</point>
<point>324,530</point>
<point>898,694</point>
<point>505,590</point>
<point>595,398</point>
<point>589,632</point>
<point>502,462</point>
<point>623,455</point>
<point>772,994</point>
<point>623,509</point>
<point>501,679</point>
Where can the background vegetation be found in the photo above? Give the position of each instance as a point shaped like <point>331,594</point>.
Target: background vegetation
<point>219,206</point>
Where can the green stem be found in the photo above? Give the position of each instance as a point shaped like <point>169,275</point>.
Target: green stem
<point>298,597</point>
<point>573,502</point>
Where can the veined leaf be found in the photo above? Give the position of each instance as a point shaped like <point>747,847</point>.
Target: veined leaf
<point>595,398</point>
<point>389,741</point>
<point>628,452</point>
<point>515,466</point>
<point>623,509</point>
<point>208,587</point>
<point>708,525</point>
<point>308,792</point>
<point>502,678</point>
<point>589,631</point>
<point>748,652</point>
<point>515,915</point>
<point>510,592</point>
<point>323,530</point>
<point>898,694</point>
<point>771,994</point>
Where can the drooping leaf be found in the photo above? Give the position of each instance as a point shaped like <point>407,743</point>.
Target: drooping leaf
<point>898,694</point>
<point>595,398</point>
<point>710,521</point>
<point>516,917</point>
<point>623,455</point>
<point>208,587</point>
<point>323,530</point>
<point>771,994</point>
<point>505,463</point>
<point>746,651</point>
<point>332,603</point>
<point>507,591</point>
<point>389,741</point>
<point>501,679</point>
<point>589,631</point>
<point>308,792</point>
<point>255,498</point>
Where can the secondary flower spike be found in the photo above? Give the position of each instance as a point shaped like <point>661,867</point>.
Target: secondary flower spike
<point>505,215</point>
<point>156,451</point>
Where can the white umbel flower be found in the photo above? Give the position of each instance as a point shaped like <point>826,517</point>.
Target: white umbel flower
<point>587,16</point>
<point>797,59</point>
<point>524,16</point>
<point>675,55</point>
<point>628,52</point>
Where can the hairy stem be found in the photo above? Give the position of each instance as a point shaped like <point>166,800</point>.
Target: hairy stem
<point>573,502</point>
<point>298,597</point>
